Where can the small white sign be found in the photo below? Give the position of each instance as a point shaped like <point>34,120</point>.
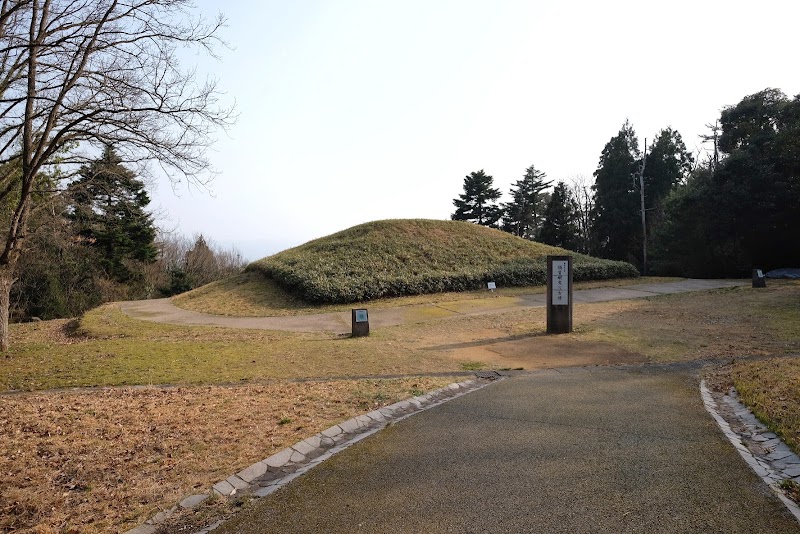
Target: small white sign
<point>361,316</point>
<point>759,273</point>
<point>491,285</point>
<point>560,283</point>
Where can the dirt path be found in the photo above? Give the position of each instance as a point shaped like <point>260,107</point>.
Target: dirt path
<point>163,311</point>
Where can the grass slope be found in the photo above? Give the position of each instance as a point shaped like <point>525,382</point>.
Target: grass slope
<point>416,256</point>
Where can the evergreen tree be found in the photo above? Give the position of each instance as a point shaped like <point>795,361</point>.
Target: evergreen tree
<point>668,165</point>
<point>758,181</point>
<point>522,216</point>
<point>560,227</point>
<point>478,203</point>
<point>688,240</point>
<point>616,226</point>
<point>742,211</point>
<point>57,275</point>
<point>108,210</point>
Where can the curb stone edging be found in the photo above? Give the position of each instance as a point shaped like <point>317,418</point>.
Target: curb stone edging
<point>270,474</point>
<point>764,452</point>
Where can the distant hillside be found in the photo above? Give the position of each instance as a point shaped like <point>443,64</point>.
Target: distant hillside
<point>414,256</point>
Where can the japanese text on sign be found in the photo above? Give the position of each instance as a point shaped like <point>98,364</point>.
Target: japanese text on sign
<point>560,283</point>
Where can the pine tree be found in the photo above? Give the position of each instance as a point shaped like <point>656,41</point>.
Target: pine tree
<point>478,203</point>
<point>559,227</point>
<point>522,216</point>
<point>108,210</point>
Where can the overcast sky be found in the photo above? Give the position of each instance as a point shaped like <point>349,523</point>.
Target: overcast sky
<point>357,110</point>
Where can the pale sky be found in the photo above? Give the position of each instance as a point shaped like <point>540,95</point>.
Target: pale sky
<point>357,110</point>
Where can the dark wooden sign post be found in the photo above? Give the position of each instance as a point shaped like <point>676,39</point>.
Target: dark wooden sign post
<point>360,323</point>
<point>559,294</point>
<point>759,280</point>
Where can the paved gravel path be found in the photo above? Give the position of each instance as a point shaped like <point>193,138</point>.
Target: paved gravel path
<point>162,310</point>
<point>576,450</point>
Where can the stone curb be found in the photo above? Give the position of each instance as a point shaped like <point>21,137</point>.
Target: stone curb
<point>270,474</point>
<point>764,452</point>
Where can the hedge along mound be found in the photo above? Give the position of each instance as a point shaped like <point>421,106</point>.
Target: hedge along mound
<point>409,257</point>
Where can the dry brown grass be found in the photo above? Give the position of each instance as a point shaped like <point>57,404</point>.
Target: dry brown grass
<point>770,388</point>
<point>106,460</point>
<point>720,323</point>
<point>246,295</point>
<point>716,324</point>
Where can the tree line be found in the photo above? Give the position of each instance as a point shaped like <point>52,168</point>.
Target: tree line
<point>96,242</point>
<point>556,217</point>
<point>741,208</point>
<point>736,209</point>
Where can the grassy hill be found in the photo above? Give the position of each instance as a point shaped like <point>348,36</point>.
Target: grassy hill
<point>415,256</point>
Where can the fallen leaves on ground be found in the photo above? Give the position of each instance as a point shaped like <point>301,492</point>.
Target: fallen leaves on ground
<point>106,460</point>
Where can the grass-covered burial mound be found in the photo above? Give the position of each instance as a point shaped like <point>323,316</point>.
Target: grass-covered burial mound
<point>409,257</point>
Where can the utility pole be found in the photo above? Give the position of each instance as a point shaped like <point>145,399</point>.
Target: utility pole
<point>644,225</point>
<point>714,136</point>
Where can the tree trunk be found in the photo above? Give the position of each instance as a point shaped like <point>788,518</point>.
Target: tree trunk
<point>6,281</point>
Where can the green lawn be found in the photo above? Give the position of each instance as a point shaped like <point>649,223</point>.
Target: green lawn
<point>109,348</point>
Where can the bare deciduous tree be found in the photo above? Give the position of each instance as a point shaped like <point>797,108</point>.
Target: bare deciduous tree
<point>584,202</point>
<point>76,75</point>
<point>197,261</point>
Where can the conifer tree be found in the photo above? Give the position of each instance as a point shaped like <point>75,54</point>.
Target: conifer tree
<point>478,203</point>
<point>668,165</point>
<point>522,216</point>
<point>559,227</point>
<point>616,227</point>
<point>108,210</point>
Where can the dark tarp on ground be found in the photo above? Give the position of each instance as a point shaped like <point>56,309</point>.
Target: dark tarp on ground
<point>786,272</point>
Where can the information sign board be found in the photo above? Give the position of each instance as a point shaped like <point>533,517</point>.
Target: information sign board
<point>360,322</point>
<point>560,283</point>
